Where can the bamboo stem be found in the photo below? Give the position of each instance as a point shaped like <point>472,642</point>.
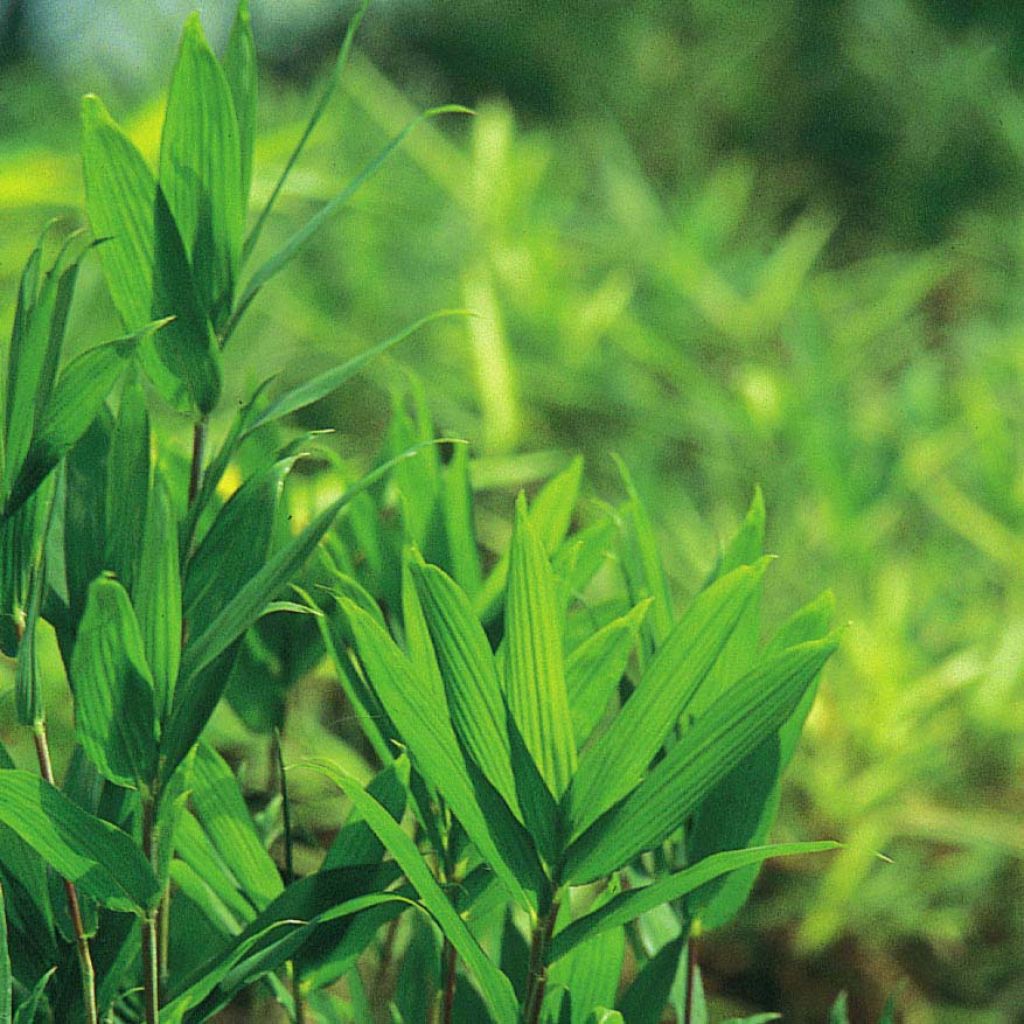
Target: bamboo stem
<point>150,928</point>
<point>85,964</point>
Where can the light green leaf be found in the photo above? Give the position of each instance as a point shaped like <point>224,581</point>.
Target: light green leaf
<point>754,707</point>
<point>421,716</point>
<point>100,859</point>
<point>550,515</point>
<point>323,384</point>
<point>115,717</point>
<point>470,676</point>
<point>201,171</point>
<point>119,195</point>
<point>157,595</point>
<point>535,667</point>
<point>629,905</point>
<point>670,682</point>
<point>593,670</point>
<point>602,1015</point>
<point>241,72</point>
<point>494,986</point>
<point>128,483</point>
<point>222,811</point>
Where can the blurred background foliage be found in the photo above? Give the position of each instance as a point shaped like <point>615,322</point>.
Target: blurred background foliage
<point>740,241</point>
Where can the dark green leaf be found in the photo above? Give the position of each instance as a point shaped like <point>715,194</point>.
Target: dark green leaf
<point>645,999</point>
<point>115,716</point>
<point>29,1006</point>
<point>99,858</point>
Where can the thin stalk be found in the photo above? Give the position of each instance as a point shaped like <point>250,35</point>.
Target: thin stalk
<point>150,928</point>
<point>85,964</point>
<point>289,866</point>
<point>690,972</point>
<point>195,477</point>
<point>538,971</point>
<point>151,944</point>
<point>449,959</point>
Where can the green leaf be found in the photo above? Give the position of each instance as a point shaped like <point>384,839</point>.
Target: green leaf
<point>235,547</point>
<point>470,676</point>
<point>28,694</point>
<point>100,859</point>
<point>839,1014</point>
<point>629,905</point>
<point>324,384</point>
<point>115,717</point>
<point>457,508</point>
<point>199,693</point>
<point>128,483</point>
<point>535,667</point>
<point>241,72</point>
<point>157,595</point>
<point>670,682</point>
<point>493,984</point>
<point>183,360</point>
<point>78,396</point>
<point>276,263</point>
<point>421,716</point>
<point>119,195</point>
<point>550,515</point>
<point>594,669</point>
<point>201,170</point>
<point>222,811</point>
<point>754,707</point>
<point>29,1006</point>
<point>602,1015</point>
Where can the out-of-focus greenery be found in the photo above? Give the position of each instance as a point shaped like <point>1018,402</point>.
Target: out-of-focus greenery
<point>734,242</point>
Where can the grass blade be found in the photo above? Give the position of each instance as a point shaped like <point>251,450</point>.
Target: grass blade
<point>240,70</point>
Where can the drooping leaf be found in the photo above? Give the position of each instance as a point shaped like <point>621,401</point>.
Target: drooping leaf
<point>535,666</point>
<point>630,904</point>
<point>201,171</point>
<point>114,699</point>
<point>240,70</point>
<point>494,986</point>
<point>754,707</point>
<point>98,857</point>
<point>672,678</point>
<point>157,595</point>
